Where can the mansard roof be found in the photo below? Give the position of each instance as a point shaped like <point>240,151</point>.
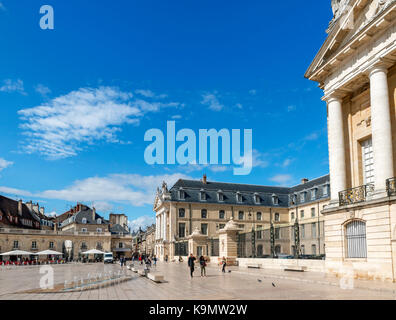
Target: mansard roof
<point>9,207</point>
<point>285,195</point>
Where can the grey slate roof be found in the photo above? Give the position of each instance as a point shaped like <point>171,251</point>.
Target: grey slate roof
<point>86,213</point>
<point>192,189</point>
<point>117,229</point>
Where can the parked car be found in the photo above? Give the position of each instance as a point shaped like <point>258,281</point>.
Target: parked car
<point>108,257</point>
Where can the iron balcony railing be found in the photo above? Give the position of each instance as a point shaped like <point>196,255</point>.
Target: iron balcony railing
<point>391,186</point>
<point>355,195</point>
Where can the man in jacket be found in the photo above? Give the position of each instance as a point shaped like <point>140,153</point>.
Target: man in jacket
<point>191,260</point>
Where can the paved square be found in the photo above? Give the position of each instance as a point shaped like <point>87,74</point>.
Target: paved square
<point>239,284</point>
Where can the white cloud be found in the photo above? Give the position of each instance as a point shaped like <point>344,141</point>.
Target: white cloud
<point>134,189</point>
<point>282,179</point>
<point>4,164</point>
<point>58,128</point>
<point>43,90</point>
<point>2,7</point>
<point>286,162</point>
<point>211,100</point>
<point>150,94</point>
<point>51,214</point>
<point>312,136</point>
<point>10,85</point>
<point>141,222</point>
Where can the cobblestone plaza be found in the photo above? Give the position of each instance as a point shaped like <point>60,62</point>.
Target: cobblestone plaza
<point>240,283</point>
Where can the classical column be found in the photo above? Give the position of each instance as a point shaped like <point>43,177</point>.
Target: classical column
<point>381,127</point>
<point>336,147</point>
<point>164,225</point>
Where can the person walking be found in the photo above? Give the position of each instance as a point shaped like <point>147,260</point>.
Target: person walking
<point>202,263</point>
<point>190,263</point>
<point>224,263</point>
<point>155,261</point>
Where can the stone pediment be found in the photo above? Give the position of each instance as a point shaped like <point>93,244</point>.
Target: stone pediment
<point>351,27</point>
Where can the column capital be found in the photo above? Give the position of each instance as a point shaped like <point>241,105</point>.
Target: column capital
<point>335,95</point>
<point>380,65</point>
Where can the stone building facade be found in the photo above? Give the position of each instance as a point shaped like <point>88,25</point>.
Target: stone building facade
<point>356,68</point>
<point>79,229</point>
<point>192,205</point>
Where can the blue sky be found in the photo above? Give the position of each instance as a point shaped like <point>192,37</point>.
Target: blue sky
<point>76,101</point>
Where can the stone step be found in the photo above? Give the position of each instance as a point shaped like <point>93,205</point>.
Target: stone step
<point>156,277</point>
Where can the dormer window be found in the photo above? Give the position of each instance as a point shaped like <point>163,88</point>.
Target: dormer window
<point>257,199</point>
<point>182,194</point>
<point>302,197</point>
<point>84,220</point>
<point>275,199</point>
<point>220,195</point>
<point>99,221</point>
<point>313,194</point>
<point>239,197</point>
<point>325,190</point>
<point>202,195</point>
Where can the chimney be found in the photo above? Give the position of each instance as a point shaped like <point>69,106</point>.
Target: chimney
<point>30,205</point>
<point>93,213</point>
<point>204,179</point>
<point>36,208</point>
<point>20,207</point>
<point>42,210</point>
<point>304,180</point>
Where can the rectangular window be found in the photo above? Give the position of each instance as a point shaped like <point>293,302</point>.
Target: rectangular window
<point>302,196</point>
<point>221,196</point>
<point>240,215</point>
<point>182,230</point>
<point>204,228</point>
<point>302,214</point>
<point>259,235</point>
<point>239,197</point>
<point>302,249</point>
<point>120,245</point>
<point>277,233</point>
<point>312,212</point>
<point>292,215</point>
<point>204,213</point>
<point>277,217</point>
<point>16,244</point>
<point>182,213</point>
<point>313,230</point>
<point>34,245</point>
<point>325,190</point>
<point>303,231</point>
<point>368,161</point>
<point>259,216</point>
<point>221,214</point>
<point>203,196</point>
<point>51,245</point>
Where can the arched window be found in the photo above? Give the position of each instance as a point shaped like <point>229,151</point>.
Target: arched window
<point>356,245</point>
<point>99,221</point>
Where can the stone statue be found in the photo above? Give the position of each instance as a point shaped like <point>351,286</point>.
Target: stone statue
<point>338,7</point>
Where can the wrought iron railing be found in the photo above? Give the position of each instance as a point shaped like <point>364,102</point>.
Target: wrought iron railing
<point>355,195</point>
<point>391,186</point>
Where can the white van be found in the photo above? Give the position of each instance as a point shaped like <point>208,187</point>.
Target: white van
<point>108,257</point>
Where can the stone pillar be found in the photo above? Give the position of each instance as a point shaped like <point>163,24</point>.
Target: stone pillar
<point>228,242</point>
<point>336,147</point>
<point>195,240</point>
<point>381,127</point>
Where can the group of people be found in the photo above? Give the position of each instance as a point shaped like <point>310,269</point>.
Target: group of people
<point>143,259</point>
<point>122,261</point>
<point>202,264</point>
